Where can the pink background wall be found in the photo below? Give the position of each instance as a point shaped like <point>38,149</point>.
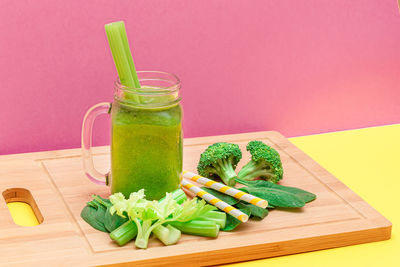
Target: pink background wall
<point>299,67</point>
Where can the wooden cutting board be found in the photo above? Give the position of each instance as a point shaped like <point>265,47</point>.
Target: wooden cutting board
<point>338,217</point>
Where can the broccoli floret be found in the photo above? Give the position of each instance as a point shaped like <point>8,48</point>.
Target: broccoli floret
<point>265,163</point>
<point>219,161</point>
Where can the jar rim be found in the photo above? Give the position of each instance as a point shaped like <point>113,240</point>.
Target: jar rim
<point>159,90</point>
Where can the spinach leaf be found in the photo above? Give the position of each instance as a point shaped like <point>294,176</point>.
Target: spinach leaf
<point>254,183</point>
<point>102,201</point>
<point>101,211</point>
<point>276,197</point>
<point>112,222</point>
<point>226,198</point>
<point>88,214</point>
<point>94,214</point>
<point>232,222</point>
<point>245,190</point>
<point>304,195</point>
<point>92,204</point>
<point>255,211</point>
<point>97,214</point>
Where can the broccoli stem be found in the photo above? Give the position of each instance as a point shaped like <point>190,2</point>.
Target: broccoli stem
<point>252,170</point>
<point>226,172</point>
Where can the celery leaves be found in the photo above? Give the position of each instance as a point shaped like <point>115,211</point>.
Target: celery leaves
<point>148,215</point>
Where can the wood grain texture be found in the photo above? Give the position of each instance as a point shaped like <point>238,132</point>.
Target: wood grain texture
<point>56,180</point>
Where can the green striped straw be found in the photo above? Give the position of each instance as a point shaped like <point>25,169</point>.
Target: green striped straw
<point>119,45</point>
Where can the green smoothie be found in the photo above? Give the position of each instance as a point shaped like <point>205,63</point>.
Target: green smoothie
<point>146,149</point>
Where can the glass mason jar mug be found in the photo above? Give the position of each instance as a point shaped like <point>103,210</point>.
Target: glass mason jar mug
<point>146,137</point>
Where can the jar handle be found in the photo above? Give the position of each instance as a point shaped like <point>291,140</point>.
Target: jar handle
<point>86,140</point>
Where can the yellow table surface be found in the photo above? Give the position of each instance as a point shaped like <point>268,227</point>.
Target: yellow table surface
<point>366,160</point>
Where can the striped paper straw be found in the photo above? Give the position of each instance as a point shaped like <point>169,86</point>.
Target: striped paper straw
<point>215,201</point>
<point>226,189</point>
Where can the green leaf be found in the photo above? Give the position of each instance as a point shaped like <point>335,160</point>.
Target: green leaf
<point>226,198</point>
<point>113,221</point>
<point>94,213</point>
<point>255,211</point>
<point>166,207</point>
<point>276,197</point>
<point>232,222</point>
<point>178,194</point>
<point>103,201</point>
<point>92,204</point>
<point>101,211</point>
<point>304,195</point>
<point>88,214</point>
<point>245,190</point>
<point>191,210</point>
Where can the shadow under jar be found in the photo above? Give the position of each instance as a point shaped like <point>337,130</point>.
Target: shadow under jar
<point>146,137</point>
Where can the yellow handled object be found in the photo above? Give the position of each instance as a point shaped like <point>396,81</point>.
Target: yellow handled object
<point>226,189</point>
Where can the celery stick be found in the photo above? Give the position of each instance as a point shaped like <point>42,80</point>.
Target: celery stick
<point>124,39</point>
<point>125,233</point>
<point>179,196</point>
<point>167,234</point>
<point>197,227</point>
<point>114,32</point>
<point>119,55</point>
<point>215,216</point>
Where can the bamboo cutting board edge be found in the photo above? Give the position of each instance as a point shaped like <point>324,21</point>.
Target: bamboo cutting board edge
<point>374,227</point>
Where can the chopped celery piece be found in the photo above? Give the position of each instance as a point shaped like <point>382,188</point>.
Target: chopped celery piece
<point>216,216</point>
<point>145,228</point>
<point>169,235</point>
<point>197,227</point>
<point>125,233</point>
<point>147,214</point>
<point>128,230</point>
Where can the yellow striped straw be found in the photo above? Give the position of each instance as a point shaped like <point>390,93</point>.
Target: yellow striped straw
<point>215,201</point>
<point>226,189</point>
